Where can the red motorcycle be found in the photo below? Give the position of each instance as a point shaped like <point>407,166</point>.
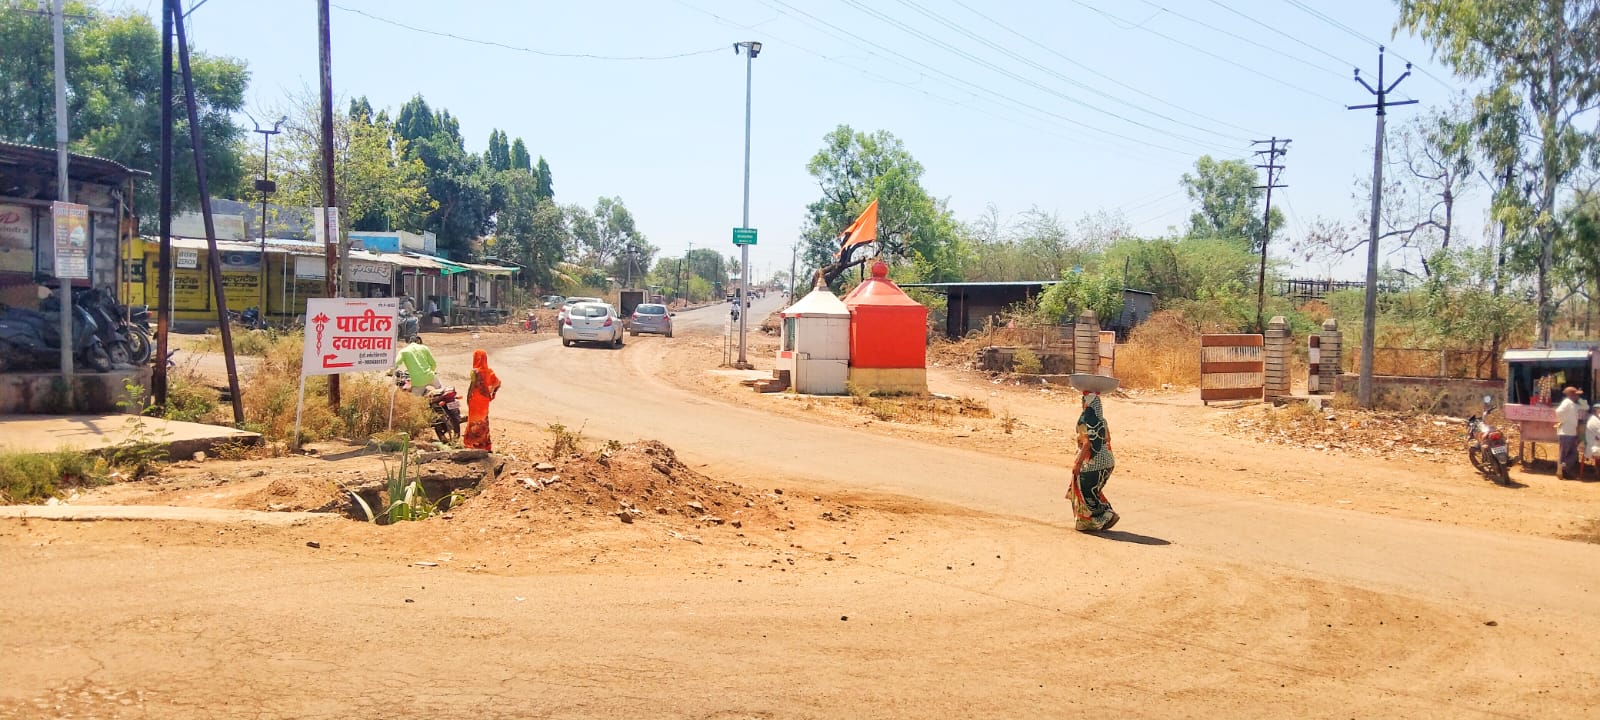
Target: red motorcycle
<point>445,404</point>
<point>1486,446</point>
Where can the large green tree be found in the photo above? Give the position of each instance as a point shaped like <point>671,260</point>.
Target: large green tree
<point>1228,202</point>
<point>1538,63</point>
<point>459,181</point>
<point>113,96</point>
<point>380,184</point>
<point>854,168</point>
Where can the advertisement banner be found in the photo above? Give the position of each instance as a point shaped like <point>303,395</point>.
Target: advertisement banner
<point>71,223</point>
<point>16,238</point>
<point>310,268</point>
<point>190,291</point>
<point>188,258</point>
<point>237,261</point>
<point>349,335</point>
<point>370,272</point>
<point>322,228</point>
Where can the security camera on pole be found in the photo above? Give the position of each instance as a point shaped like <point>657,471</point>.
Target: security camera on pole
<point>744,236</point>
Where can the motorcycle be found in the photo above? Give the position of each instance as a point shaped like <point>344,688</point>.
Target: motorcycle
<point>407,324</point>
<point>113,330</point>
<point>445,404</point>
<point>32,338</point>
<point>250,318</point>
<point>139,335</point>
<point>1486,446</point>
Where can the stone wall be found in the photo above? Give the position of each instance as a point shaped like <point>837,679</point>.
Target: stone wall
<point>38,393</point>
<point>1441,396</point>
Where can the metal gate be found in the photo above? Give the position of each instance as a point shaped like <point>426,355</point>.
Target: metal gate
<point>1232,367</point>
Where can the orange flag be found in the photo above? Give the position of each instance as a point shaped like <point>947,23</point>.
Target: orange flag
<point>863,230</point>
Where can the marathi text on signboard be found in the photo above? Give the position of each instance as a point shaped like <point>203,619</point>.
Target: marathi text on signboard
<point>188,258</point>
<point>349,335</point>
<point>370,272</point>
<point>71,222</point>
<point>16,238</point>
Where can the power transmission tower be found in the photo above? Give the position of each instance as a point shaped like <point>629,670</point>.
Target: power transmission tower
<point>1276,148</point>
<point>1369,321</point>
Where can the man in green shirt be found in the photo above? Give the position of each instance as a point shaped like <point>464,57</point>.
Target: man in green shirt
<point>419,363</point>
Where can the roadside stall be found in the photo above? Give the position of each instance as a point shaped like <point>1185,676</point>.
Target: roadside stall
<point>1534,380</point>
<point>815,344</point>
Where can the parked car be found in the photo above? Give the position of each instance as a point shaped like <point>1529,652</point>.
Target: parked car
<point>594,322</point>
<point>651,318</point>
<point>569,302</point>
<point>552,302</point>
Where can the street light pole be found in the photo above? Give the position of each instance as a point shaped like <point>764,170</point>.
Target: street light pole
<point>751,50</point>
<point>266,187</point>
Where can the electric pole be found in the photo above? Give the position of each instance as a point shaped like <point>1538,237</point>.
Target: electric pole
<point>1369,322</point>
<point>164,256</point>
<point>1273,153</point>
<point>751,49</point>
<point>330,228</point>
<point>266,187</point>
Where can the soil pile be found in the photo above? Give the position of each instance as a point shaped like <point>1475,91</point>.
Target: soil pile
<point>295,494</point>
<point>1350,432</point>
<point>640,482</point>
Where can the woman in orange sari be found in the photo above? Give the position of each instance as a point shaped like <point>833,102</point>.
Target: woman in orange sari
<point>482,390</point>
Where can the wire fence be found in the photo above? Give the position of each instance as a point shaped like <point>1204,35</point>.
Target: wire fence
<point>1428,363</point>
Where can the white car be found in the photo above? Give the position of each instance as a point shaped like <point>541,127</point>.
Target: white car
<point>569,302</point>
<point>593,322</point>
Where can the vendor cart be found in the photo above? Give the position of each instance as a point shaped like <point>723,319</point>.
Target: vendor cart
<point>1534,381</point>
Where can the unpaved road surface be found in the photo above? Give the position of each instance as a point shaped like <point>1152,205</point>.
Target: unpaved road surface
<point>967,594</point>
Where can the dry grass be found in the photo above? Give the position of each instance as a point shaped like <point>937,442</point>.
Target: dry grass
<point>1163,351</point>
<point>364,401</point>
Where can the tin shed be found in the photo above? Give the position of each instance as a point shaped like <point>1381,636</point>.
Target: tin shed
<point>815,343</point>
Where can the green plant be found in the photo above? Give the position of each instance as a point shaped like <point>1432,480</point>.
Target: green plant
<point>564,442</point>
<point>34,477</point>
<point>858,395</point>
<point>406,497</point>
<point>1027,362</point>
<point>141,451</point>
<point>613,446</point>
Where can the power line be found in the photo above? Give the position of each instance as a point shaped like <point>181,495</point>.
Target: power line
<point>1244,39</point>
<point>532,51</point>
<point>1125,24</point>
<point>1318,14</point>
<point>980,88</point>
<point>1342,62</point>
<point>1051,71</point>
<point>1019,78</point>
<point>1097,73</point>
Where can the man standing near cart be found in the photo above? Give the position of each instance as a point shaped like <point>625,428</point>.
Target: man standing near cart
<point>1570,416</point>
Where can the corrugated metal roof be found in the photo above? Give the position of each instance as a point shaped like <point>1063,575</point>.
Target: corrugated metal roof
<point>1003,283</point>
<point>38,153</point>
<point>1541,354</point>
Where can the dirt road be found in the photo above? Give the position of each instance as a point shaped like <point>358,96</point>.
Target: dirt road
<point>968,596</point>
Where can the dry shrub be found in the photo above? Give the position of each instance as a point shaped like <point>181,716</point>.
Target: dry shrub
<point>269,403</point>
<point>1164,350</point>
<point>1027,362</point>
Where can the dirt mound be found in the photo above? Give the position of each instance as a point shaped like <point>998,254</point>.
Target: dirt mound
<point>639,482</point>
<point>1350,432</point>
<point>294,494</point>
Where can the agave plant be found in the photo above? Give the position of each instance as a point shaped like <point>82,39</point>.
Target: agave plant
<point>407,498</point>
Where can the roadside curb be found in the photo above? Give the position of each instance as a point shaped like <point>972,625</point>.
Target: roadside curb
<point>92,513</point>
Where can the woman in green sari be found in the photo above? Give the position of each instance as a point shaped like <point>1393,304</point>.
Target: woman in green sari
<point>1092,468</point>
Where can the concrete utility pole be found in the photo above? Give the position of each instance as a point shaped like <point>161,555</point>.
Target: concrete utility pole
<point>794,255</point>
<point>1273,152</point>
<point>63,187</point>
<point>1369,322</point>
<point>329,228</point>
<point>751,50</point>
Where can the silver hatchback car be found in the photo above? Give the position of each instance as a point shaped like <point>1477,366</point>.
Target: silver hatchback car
<point>591,322</point>
<point>650,318</point>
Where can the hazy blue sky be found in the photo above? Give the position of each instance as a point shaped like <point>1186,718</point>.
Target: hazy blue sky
<point>1069,105</point>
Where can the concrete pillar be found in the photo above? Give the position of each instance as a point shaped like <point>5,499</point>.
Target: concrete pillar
<point>1329,345</point>
<point>1277,358</point>
<point>1086,344</point>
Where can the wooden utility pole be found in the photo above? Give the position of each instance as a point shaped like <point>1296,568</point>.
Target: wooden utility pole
<point>1273,152</point>
<point>164,259</point>
<point>1369,321</point>
<point>213,256</point>
<point>330,228</point>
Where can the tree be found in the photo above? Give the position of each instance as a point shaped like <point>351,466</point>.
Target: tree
<point>459,181</point>
<point>531,231</point>
<point>1540,68</point>
<point>381,185</point>
<point>519,157</point>
<point>1079,291</point>
<point>498,156</point>
<point>546,184</point>
<point>854,168</point>
<point>1229,202</point>
<point>113,97</point>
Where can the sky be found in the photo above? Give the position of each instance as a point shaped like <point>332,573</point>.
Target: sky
<point>1069,106</point>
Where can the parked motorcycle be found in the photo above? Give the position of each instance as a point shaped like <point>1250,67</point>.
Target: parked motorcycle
<point>139,335</point>
<point>250,318</point>
<point>407,325</point>
<point>445,404</point>
<point>113,330</point>
<point>1486,446</point>
<point>32,338</point>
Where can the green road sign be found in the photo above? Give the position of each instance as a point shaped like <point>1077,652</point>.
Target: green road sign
<point>744,236</point>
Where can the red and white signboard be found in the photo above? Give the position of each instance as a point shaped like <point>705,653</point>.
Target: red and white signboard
<point>345,335</point>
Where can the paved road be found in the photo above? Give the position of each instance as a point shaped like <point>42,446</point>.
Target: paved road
<point>621,395</point>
